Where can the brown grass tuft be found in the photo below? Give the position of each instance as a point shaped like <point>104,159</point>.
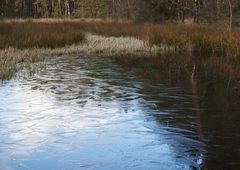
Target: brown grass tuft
<point>27,34</point>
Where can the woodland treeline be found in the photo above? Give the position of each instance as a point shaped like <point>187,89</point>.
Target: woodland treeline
<point>138,10</point>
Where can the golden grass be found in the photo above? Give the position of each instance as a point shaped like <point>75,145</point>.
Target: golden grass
<point>199,38</point>
<point>58,36</point>
<point>60,32</point>
<point>92,45</point>
<point>20,34</point>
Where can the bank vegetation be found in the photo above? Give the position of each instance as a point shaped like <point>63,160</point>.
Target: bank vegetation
<point>30,40</point>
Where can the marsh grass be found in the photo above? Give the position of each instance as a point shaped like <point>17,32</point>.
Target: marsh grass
<point>34,34</point>
<point>12,58</point>
<point>200,38</point>
<point>30,40</point>
<point>52,33</point>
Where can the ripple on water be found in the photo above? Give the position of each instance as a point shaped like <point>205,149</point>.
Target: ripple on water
<point>89,113</point>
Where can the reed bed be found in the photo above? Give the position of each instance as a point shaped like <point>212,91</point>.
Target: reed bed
<point>10,58</point>
<point>199,38</point>
<point>34,34</point>
<point>47,37</point>
<point>53,33</point>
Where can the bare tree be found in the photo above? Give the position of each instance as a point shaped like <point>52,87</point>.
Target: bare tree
<point>67,9</point>
<point>230,14</point>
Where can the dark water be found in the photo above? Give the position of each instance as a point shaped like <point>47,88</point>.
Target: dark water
<point>93,113</point>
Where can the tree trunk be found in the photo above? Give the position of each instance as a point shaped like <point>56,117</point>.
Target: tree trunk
<point>197,4</point>
<point>182,7</point>
<point>67,9</point>
<point>230,14</point>
<point>178,11</point>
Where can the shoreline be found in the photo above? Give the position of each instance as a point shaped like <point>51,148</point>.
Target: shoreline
<point>92,45</point>
<point>109,46</point>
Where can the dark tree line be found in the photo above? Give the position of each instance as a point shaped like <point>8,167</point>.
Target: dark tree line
<point>140,10</point>
<point>68,8</point>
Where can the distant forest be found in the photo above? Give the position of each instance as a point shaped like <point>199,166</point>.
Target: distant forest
<point>137,10</point>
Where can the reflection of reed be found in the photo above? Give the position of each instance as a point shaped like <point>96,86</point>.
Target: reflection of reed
<point>196,105</point>
<point>209,77</point>
<point>226,69</point>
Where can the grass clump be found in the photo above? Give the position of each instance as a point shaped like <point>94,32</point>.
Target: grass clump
<point>34,34</point>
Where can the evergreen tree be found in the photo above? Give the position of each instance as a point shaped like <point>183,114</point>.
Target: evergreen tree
<point>56,12</point>
<point>155,10</point>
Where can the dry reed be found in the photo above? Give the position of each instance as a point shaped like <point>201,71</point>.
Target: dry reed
<point>54,37</point>
<point>93,44</point>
